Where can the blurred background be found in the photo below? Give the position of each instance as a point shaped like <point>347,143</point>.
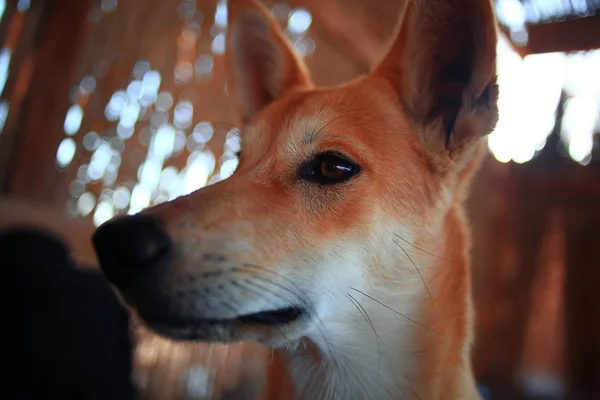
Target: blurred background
<point>111,106</point>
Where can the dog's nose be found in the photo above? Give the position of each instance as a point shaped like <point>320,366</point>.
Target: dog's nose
<point>130,248</point>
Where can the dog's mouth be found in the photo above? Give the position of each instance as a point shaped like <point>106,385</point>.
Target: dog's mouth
<point>280,316</point>
<point>190,328</point>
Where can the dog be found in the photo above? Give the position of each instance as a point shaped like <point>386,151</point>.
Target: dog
<point>340,240</point>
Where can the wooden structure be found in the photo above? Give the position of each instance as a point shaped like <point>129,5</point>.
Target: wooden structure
<point>538,252</point>
<point>534,297</point>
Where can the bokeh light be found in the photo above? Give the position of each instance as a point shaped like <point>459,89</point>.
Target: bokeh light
<point>66,152</point>
<point>184,71</point>
<point>204,65</point>
<point>140,69</point>
<point>108,5</point>
<point>299,21</point>
<point>221,14</point>
<point>86,203</point>
<point>4,108</point>
<point>228,168</point>
<point>186,9</point>
<point>88,84</point>
<point>4,67</point>
<point>530,89</point>
<point>23,5</point>
<point>104,212</point>
<point>218,44</point>
<point>161,117</point>
<point>115,105</point>
<point>164,101</point>
<point>73,120</point>
<point>121,197</point>
<point>183,114</point>
<point>164,141</point>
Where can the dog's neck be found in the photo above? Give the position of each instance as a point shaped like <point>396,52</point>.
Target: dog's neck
<point>352,364</point>
<point>396,339</point>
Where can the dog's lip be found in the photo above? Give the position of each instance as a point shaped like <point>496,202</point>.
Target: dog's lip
<point>285,315</point>
<point>267,318</point>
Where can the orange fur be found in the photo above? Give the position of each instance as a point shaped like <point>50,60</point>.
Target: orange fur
<point>393,238</point>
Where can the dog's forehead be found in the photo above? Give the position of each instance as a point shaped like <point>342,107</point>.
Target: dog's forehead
<point>286,127</point>
<point>303,119</point>
<point>293,117</point>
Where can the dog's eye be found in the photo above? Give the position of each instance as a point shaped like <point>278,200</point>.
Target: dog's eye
<point>329,168</point>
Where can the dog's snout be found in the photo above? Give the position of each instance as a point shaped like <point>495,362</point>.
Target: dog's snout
<point>131,247</point>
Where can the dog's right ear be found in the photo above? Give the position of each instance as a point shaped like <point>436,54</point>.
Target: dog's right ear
<point>261,63</point>
<point>443,68</point>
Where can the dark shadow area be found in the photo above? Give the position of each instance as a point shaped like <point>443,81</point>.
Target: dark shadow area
<point>69,335</point>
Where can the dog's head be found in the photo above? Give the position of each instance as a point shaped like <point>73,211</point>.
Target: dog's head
<point>328,181</point>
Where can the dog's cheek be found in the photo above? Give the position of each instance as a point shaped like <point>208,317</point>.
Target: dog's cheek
<point>333,211</point>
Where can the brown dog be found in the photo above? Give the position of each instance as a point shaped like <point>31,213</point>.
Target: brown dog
<point>339,240</point>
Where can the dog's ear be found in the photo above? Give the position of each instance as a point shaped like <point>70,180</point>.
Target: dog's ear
<point>442,65</point>
<point>261,63</point>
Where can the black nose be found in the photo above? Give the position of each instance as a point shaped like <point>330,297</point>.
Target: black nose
<point>130,248</point>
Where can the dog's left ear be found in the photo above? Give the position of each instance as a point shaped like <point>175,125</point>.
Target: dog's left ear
<point>261,63</point>
<point>443,67</point>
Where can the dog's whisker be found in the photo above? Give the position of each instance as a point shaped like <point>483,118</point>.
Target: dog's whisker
<point>394,311</point>
<point>279,276</point>
<point>418,272</point>
<point>283,335</point>
<point>252,291</point>
<point>252,279</point>
<point>229,306</point>
<point>265,269</point>
<point>366,317</point>
<point>271,282</point>
<point>423,250</point>
<point>263,289</point>
<point>259,291</point>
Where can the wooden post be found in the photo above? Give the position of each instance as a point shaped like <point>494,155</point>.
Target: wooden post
<point>40,126</point>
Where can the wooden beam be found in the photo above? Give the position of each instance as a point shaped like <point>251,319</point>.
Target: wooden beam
<point>5,22</point>
<point>565,36</point>
<point>18,32</point>
<point>39,129</point>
